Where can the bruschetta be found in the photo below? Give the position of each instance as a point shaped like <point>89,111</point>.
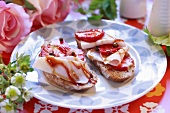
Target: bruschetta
<point>65,66</point>
<point>109,54</point>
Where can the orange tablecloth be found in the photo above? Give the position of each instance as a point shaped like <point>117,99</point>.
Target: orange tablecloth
<point>157,100</point>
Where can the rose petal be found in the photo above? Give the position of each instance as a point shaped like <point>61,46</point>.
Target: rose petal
<point>14,25</point>
<point>23,18</point>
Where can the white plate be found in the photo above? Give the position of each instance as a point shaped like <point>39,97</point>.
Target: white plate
<point>150,62</point>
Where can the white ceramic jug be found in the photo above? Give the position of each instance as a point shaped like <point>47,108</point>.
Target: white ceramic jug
<point>133,8</point>
<point>159,21</point>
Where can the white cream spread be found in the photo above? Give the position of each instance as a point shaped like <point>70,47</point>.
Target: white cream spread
<point>68,68</point>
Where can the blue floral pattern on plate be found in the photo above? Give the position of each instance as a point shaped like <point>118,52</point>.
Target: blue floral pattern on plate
<point>150,62</point>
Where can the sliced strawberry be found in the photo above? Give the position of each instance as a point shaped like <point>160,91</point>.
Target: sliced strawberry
<point>63,49</point>
<point>91,35</point>
<point>108,49</point>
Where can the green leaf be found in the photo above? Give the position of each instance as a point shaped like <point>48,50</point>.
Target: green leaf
<point>95,4</point>
<point>163,40</point>
<point>168,50</point>
<point>30,89</point>
<point>95,17</point>
<point>15,107</point>
<point>7,96</point>
<point>113,7</point>
<point>20,99</point>
<point>81,10</point>
<point>109,9</point>
<point>31,69</point>
<point>29,5</point>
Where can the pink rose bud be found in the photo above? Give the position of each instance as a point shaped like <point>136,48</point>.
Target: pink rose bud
<point>48,12</point>
<point>15,24</point>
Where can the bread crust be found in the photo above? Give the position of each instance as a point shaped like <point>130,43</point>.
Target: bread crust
<point>117,76</point>
<point>57,81</point>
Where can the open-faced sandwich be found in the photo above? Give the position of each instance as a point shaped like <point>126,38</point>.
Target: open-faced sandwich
<point>109,54</point>
<point>65,66</point>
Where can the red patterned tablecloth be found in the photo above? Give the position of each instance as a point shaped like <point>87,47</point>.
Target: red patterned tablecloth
<point>156,101</point>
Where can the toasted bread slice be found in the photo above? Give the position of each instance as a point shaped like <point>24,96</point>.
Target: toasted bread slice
<point>107,70</point>
<point>65,66</point>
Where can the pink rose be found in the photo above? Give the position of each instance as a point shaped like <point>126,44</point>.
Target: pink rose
<point>48,12</point>
<point>14,25</point>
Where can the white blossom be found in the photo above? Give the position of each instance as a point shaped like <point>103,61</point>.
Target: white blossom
<point>6,107</point>
<point>18,80</point>
<point>27,95</point>
<point>12,92</point>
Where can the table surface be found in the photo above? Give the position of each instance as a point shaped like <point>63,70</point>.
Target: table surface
<point>157,100</point>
